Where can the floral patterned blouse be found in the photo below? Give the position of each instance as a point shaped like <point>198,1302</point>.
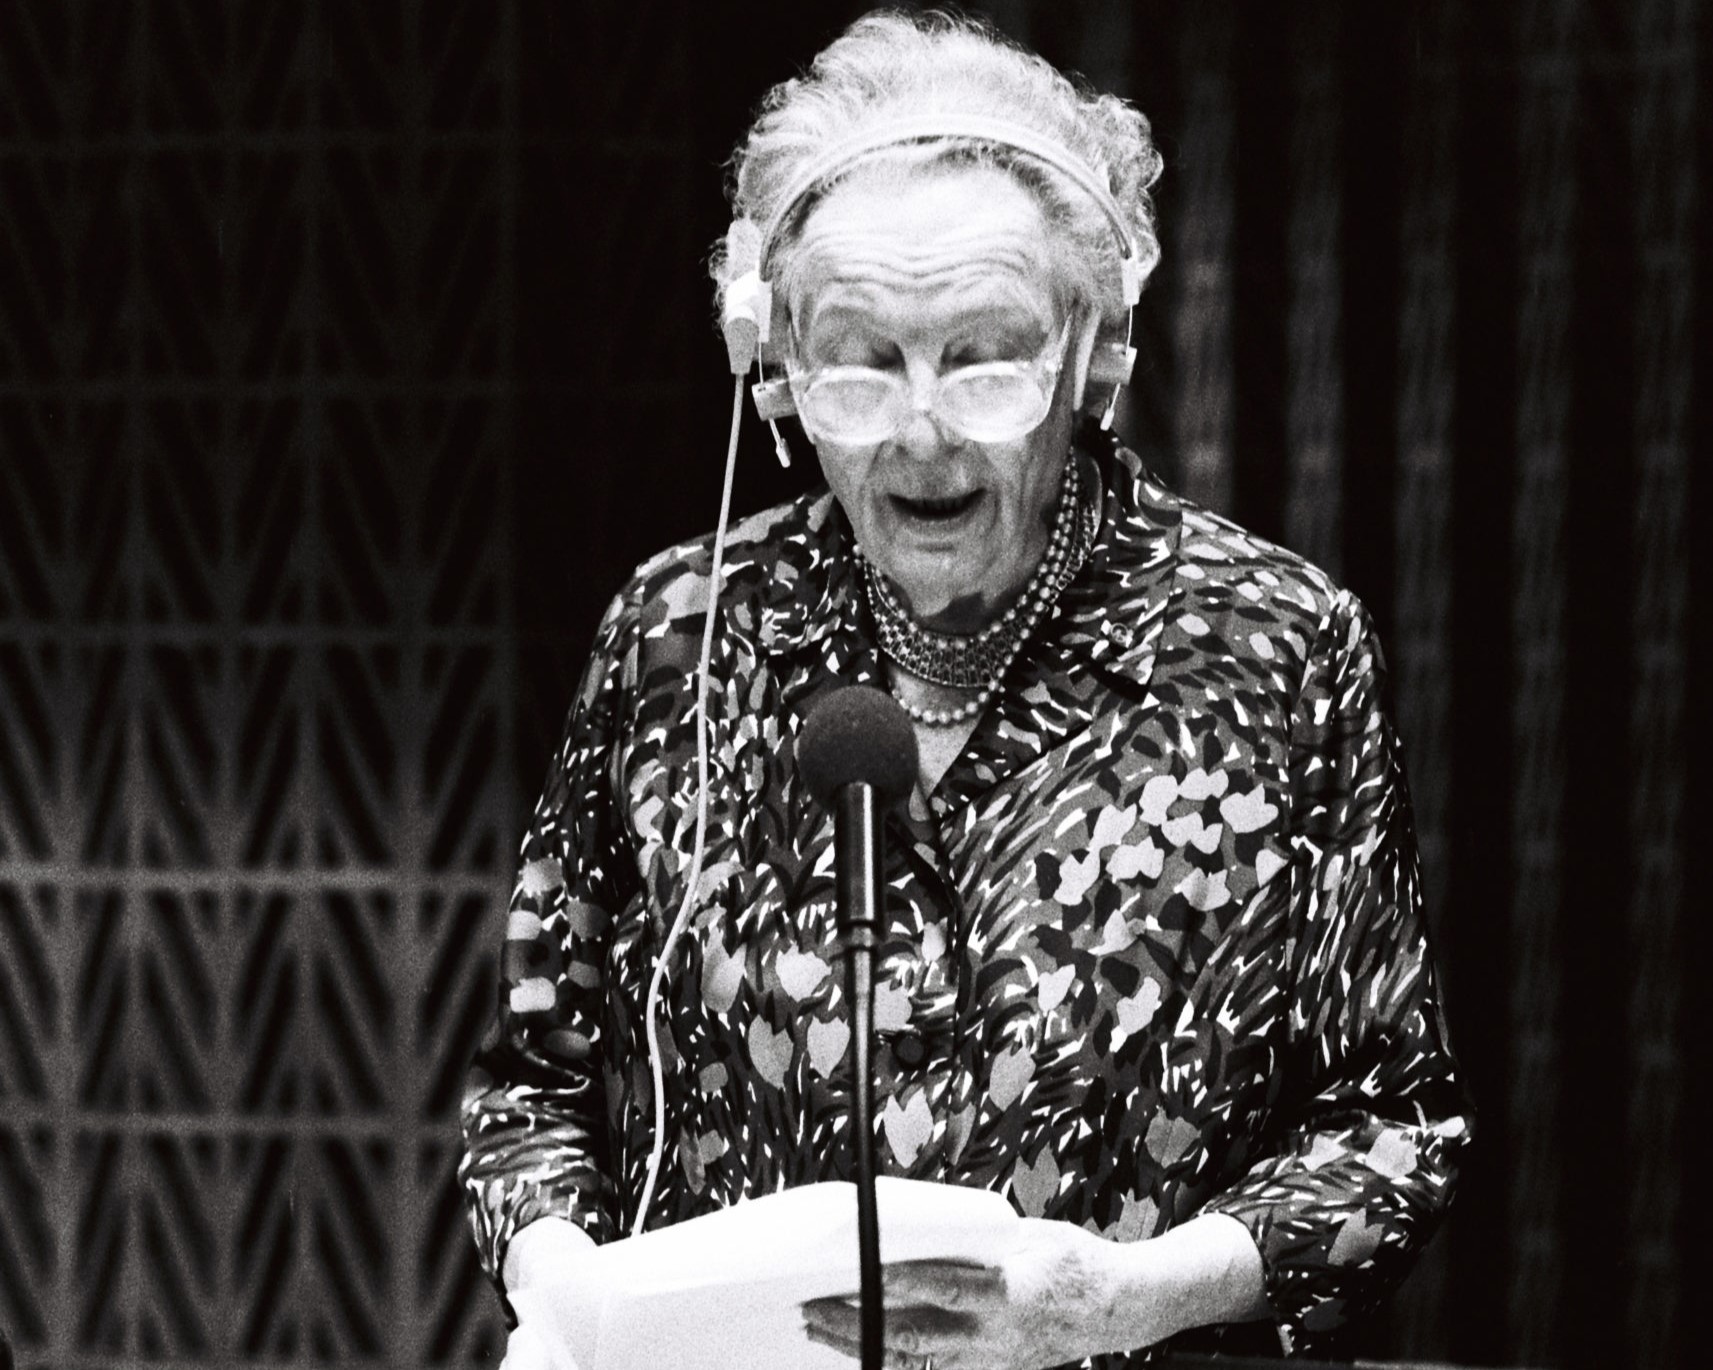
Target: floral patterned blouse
<point>1154,942</point>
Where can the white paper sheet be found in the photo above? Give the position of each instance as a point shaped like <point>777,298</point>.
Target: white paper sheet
<point>725,1290</point>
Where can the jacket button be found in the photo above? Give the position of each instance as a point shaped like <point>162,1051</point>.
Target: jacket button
<point>910,1050</point>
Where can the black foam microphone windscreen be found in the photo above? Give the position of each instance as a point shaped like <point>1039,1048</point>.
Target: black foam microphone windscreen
<point>857,735</point>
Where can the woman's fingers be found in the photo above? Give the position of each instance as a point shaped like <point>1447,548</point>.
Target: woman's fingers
<point>832,1320</point>
<point>893,1357</point>
<point>907,1325</point>
<point>915,1329</point>
<point>941,1284</point>
<point>525,1350</point>
<point>931,1308</point>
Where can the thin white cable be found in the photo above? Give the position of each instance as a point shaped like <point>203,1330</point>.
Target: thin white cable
<point>651,1007</point>
<point>1112,404</point>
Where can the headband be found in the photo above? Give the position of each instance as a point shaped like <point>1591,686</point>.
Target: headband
<point>975,128</point>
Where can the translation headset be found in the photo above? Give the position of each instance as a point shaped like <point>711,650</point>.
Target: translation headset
<point>750,311</point>
<point>749,315</point>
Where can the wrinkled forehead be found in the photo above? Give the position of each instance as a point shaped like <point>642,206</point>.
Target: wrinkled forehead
<point>921,251</point>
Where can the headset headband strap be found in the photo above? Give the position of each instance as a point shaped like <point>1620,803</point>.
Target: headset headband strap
<point>978,128</point>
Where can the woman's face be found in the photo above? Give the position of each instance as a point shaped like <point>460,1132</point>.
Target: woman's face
<point>916,278</point>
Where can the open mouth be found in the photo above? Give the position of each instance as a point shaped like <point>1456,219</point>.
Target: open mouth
<point>939,510</point>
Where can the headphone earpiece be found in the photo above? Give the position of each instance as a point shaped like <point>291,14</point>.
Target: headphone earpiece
<point>1111,363</point>
<point>1130,280</point>
<point>746,319</point>
<point>773,399</point>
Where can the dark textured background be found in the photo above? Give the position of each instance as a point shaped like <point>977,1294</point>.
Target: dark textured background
<point>350,352</point>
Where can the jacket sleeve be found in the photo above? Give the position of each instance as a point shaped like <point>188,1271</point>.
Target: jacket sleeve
<point>534,1108</point>
<point>1366,1148</point>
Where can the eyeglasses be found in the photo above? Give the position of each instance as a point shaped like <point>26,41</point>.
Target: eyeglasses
<point>986,402</point>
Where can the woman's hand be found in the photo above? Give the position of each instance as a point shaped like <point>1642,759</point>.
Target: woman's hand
<point>1059,1294</point>
<point>525,1350</point>
<point>548,1251</point>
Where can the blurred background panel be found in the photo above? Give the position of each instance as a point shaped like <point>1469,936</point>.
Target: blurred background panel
<point>350,354</point>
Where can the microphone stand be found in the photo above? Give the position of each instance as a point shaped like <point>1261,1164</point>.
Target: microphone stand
<point>857,848</point>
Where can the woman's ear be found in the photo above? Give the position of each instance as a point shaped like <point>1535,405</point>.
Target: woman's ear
<point>780,347</point>
<point>779,330</point>
<point>1087,330</point>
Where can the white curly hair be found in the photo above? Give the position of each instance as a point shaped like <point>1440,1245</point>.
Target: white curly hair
<point>897,64</point>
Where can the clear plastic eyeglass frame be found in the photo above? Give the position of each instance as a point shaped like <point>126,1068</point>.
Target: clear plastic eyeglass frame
<point>986,402</point>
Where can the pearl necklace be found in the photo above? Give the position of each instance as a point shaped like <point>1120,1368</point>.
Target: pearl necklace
<point>979,661</point>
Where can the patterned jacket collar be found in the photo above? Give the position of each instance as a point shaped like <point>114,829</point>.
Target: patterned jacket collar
<point>813,587</point>
<point>1111,615</point>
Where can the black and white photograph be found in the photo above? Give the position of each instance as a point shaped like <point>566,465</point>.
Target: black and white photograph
<point>807,686</point>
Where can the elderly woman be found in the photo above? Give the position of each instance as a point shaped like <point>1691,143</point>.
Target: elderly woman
<point>1155,966</point>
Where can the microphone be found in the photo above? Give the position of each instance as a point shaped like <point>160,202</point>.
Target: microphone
<point>857,735</point>
<point>857,755</point>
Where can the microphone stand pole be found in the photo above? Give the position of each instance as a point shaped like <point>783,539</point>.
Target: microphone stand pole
<point>857,848</point>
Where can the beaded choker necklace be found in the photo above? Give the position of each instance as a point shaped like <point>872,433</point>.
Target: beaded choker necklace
<point>979,661</point>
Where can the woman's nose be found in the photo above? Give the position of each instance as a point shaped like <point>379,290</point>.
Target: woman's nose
<point>922,433</point>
